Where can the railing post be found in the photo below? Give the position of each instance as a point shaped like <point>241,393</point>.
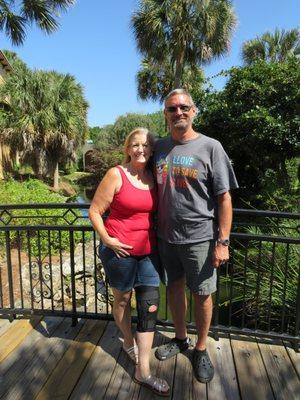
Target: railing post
<point>216,311</point>
<point>72,265</point>
<point>297,323</point>
<point>9,273</point>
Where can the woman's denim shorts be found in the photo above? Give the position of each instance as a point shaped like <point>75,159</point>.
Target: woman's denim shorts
<point>126,273</point>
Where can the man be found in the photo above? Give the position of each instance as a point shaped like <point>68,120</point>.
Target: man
<point>194,176</point>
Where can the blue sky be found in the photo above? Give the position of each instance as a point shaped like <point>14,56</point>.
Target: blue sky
<point>95,44</point>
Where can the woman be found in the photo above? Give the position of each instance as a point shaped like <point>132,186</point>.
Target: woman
<point>128,250</point>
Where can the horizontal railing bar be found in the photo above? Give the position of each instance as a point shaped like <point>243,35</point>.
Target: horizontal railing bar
<point>265,238</point>
<point>259,333</point>
<point>86,228</point>
<point>160,323</point>
<point>43,206</point>
<point>56,313</point>
<point>30,217</point>
<point>264,213</point>
<point>70,228</point>
<point>191,328</point>
<point>237,211</point>
<point>264,225</point>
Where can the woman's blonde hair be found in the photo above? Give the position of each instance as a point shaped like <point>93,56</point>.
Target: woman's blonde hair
<point>136,131</point>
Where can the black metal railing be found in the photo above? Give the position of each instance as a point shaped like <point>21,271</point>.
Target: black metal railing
<point>49,265</point>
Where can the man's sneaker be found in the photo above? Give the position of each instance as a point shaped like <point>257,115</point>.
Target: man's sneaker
<point>172,348</point>
<point>202,366</point>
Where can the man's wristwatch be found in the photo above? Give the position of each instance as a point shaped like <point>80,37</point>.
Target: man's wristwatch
<point>223,242</point>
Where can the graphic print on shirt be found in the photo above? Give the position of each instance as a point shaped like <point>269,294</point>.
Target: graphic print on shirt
<point>162,170</point>
<point>179,168</point>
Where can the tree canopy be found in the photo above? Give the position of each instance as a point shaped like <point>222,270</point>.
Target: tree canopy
<point>156,79</point>
<point>109,139</point>
<point>46,120</point>
<point>16,16</point>
<point>272,47</point>
<point>256,118</point>
<point>177,34</point>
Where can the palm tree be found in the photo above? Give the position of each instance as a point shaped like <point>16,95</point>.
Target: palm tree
<point>8,155</point>
<point>270,47</point>
<point>69,129</point>
<point>156,79</point>
<point>15,16</point>
<point>187,32</point>
<point>46,120</point>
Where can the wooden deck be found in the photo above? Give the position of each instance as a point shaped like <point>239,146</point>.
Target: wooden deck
<point>49,359</point>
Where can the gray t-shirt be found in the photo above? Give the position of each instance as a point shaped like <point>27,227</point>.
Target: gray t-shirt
<point>190,175</point>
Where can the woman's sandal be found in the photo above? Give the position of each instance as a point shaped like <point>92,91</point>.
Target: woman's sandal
<point>156,385</point>
<point>132,353</point>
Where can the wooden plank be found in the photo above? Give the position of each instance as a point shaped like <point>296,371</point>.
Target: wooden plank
<point>282,375</point>
<point>15,335</point>
<point>198,389</point>
<point>48,352</point>
<point>224,384</point>
<point>121,386</point>
<point>161,369</point>
<point>17,363</point>
<point>294,356</point>
<point>5,324</point>
<point>67,372</point>
<point>184,385</point>
<point>166,369</point>
<point>97,374</point>
<point>251,373</point>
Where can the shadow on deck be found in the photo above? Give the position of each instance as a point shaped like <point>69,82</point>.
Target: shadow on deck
<point>49,359</point>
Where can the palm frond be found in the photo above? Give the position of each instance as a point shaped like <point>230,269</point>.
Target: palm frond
<point>16,16</point>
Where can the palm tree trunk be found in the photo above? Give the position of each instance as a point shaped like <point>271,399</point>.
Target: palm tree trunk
<point>179,70</point>
<point>17,159</point>
<point>56,178</point>
<point>1,164</point>
<point>283,176</point>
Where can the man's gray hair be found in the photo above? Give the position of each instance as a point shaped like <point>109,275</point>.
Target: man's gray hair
<point>179,91</point>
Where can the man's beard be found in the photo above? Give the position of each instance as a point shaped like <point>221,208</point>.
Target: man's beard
<point>180,125</point>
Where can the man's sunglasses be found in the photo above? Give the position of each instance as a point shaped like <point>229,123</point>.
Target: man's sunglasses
<point>183,107</point>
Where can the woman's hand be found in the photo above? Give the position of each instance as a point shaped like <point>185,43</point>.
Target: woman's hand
<point>119,248</point>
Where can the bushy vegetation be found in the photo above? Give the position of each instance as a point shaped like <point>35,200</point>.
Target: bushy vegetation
<point>112,136</point>
<point>27,192</point>
<point>109,140</point>
<point>99,161</point>
<point>256,118</point>
<point>34,191</point>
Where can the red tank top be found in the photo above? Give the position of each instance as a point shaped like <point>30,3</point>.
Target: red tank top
<point>131,217</point>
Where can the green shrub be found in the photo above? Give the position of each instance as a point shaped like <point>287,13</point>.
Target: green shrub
<point>34,192</point>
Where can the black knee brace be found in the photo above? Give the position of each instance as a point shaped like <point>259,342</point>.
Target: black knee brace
<point>146,296</point>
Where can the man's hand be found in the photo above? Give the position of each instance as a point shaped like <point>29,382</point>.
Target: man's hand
<point>220,255</point>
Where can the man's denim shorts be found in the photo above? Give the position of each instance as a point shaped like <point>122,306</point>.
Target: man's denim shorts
<point>126,273</point>
<point>192,261</point>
